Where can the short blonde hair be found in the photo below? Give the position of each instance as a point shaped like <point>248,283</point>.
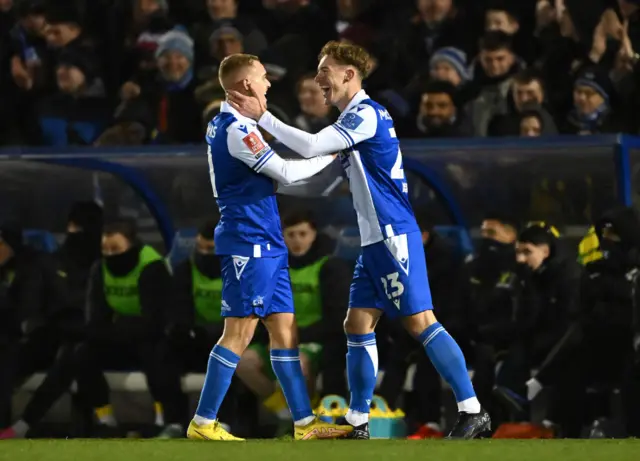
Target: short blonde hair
<point>348,54</point>
<point>233,63</point>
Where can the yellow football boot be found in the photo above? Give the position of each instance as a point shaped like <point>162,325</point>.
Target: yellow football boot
<point>318,429</point>
<point>213,431</point>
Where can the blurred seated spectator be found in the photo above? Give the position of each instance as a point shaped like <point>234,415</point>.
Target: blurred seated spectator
<point>527,93</point>
<point>129,300</point>
<point>314,113</point>
<point>492,75</point>
<point>439,116</point>
<point>548,291</point>
<point>29,294</point>
<point>65,325</point>
<point>168,107</point>
<point>65,26</point>
<point>598,353</point>
<point>449,64</point>
<point>78,112</point>
<point>487,304</point>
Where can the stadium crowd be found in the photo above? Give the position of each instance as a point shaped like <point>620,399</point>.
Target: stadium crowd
<point>130,72</point>
<point>123,72</point>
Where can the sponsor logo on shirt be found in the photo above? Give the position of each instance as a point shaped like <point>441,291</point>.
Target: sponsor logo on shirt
<point>254,143</point>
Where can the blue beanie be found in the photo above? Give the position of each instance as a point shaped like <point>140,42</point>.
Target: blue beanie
<point>454,56</point>
<point>175,40</point>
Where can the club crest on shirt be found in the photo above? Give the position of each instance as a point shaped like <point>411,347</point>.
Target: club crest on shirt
<point>351,120</point>
<point>254,143</point>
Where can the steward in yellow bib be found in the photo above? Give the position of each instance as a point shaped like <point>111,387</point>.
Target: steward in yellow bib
<point>316,280</point>
<point>198,284</point>
<point>129,297</point>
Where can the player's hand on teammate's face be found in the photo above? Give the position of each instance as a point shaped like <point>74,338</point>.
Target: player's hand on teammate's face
<point>249,106</point>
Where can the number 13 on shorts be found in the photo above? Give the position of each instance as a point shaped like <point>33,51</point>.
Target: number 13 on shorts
<point>393,288</point>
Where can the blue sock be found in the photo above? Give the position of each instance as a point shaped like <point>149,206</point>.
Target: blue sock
<point>362,368</point>
<point>222,365</point>
<point>447,358</point>
<point>286,366</point>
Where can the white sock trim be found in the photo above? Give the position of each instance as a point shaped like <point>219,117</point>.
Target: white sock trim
<point>304,421</point>
<point>202,421</point>
<point>357,418</point>
<point>533,388</point>
<point>471,406</point>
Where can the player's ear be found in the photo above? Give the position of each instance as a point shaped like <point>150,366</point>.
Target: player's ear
<point>246,85</point>
<point>348,75</point>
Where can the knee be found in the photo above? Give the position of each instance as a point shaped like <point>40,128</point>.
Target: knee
<point>237,335</point>
<point>361,321</point>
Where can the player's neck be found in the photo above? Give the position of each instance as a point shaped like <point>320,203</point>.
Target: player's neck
<point>344,102</point>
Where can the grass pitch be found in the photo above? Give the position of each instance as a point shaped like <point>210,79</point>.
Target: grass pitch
<point>373,450</point>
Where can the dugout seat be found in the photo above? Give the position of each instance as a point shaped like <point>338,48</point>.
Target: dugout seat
<point>348,244</point>
<point>459,237</point>
<point>40,239</point>
<point>182,246</point>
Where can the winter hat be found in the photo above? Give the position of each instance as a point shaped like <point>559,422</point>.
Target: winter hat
<point>596,80</point>
<point>226,29</point>
<point>455,57</point>
<point>176,40</point>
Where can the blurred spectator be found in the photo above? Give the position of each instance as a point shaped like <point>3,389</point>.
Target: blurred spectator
<point>29,294</point>
<point>65,328</point>
<point>592,111</point>
<point>488,315</point>
<point>167,109</point>
<point>504,16</point>
<point>439,116</point>
<point>224,41</point>
<point>548,295</point>
<point>150,20</point>
<point>449,64</point>
<point>314,113</point>
<point>597,353</point>
<point>437,24</point>
<point>527,93</point>
<point>493,72</point>
<point>129,300</point>
<point>79,111</point>
<point>531,123</point>
<point>64,27</point>
<point>224,13</point>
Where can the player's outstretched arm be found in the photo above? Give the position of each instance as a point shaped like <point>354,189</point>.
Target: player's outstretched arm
<point>354,126</point>
<point>253,150</point>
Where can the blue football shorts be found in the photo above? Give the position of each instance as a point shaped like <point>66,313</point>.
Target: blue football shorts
<point>255,286</point>
<point>391,275</point>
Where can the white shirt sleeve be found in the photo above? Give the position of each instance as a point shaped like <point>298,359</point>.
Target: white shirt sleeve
<point>354,126</point>
<point>247,145</point>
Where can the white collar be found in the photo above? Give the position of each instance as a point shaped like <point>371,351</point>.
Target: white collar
<point>357,99</point>
<point>226,107</point>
